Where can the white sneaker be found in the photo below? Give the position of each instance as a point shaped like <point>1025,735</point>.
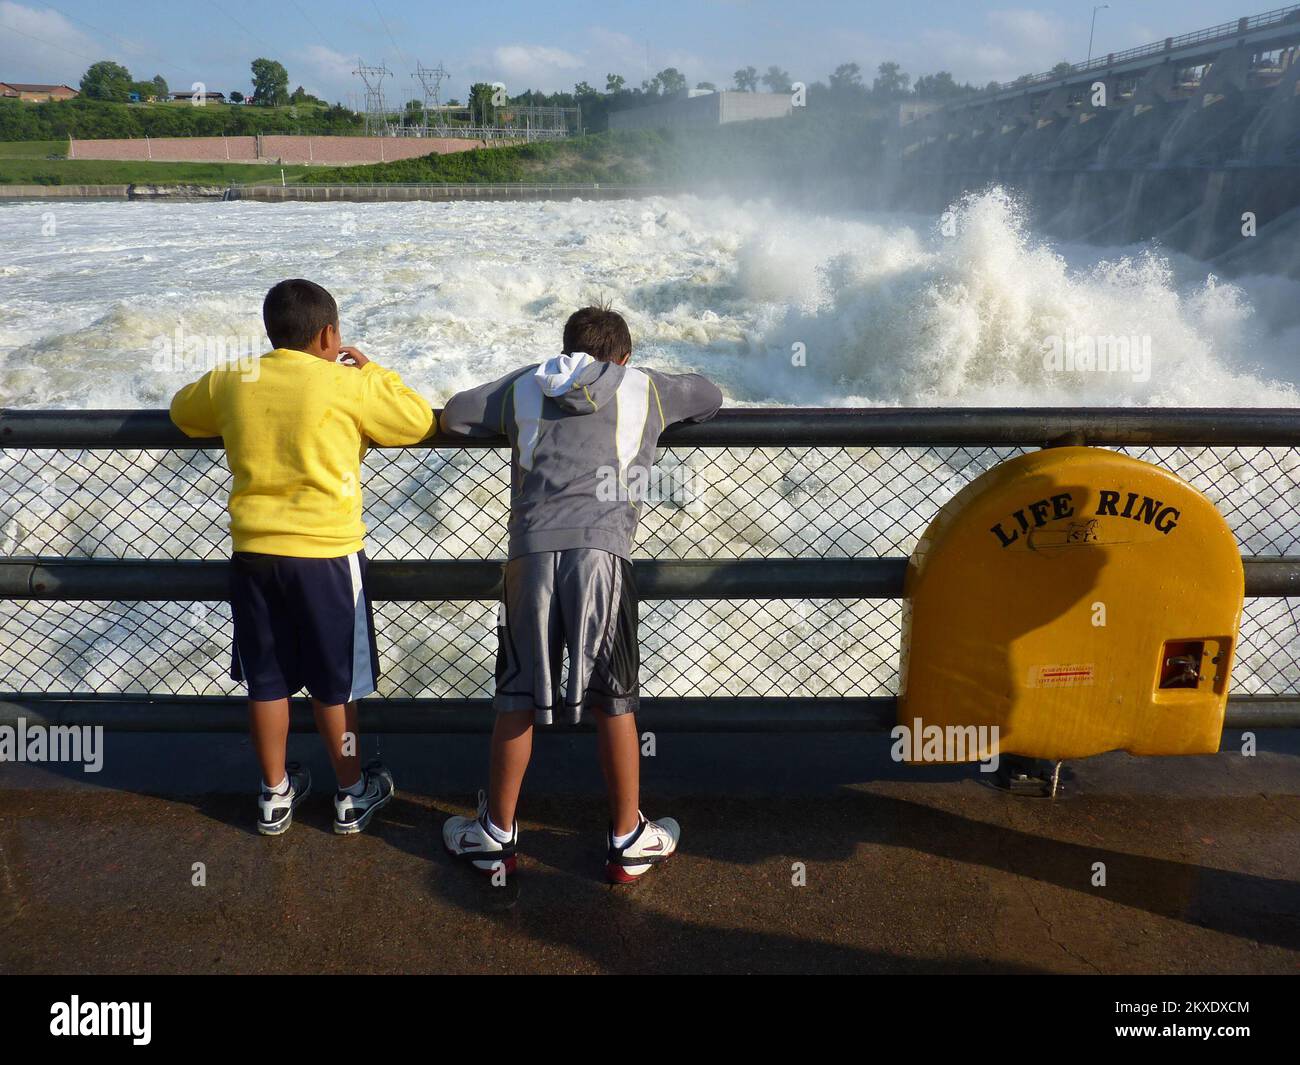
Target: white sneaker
<point>652,842</point>
<point>353,812</point>
<point>469,838</point>
<point>275,811</point>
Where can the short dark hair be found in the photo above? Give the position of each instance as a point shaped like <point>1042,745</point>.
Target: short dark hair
<point>295,311</point>
<point>598,331</point>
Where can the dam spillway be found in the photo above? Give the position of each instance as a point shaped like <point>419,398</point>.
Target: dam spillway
<point>1192,143</point>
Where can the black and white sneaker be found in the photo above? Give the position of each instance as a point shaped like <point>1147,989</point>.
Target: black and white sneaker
<point>470,839</point>
<point>353,812</point>
<point>653,843</point>
<point>274,809</point>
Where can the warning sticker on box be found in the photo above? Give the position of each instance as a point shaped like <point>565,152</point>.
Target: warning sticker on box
<point>1078,675</point>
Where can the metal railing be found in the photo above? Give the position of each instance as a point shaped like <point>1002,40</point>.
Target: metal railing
<point>1224,31</point>
<point>770,589</point>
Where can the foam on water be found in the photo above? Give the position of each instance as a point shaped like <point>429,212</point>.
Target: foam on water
<point>887,310</point>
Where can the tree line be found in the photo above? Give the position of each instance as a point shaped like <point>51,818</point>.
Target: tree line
<point>107,83</point>
<point>111,82</point>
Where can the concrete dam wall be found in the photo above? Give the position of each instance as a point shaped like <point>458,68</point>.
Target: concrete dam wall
<point>1193,146</point>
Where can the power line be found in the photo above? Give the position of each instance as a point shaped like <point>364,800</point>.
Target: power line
<point>258,41</point>
<point>384,22</point>
<point>310,21</point>
<point>48,44</point>
<point>125,43</point>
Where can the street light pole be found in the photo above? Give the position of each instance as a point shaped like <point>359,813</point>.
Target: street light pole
<point>1092,33</point>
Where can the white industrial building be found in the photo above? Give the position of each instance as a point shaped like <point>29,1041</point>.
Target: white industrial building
<point>696,108</point>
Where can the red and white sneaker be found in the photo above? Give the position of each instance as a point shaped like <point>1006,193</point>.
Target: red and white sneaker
<point>469,838</point>
<point>653,842</point>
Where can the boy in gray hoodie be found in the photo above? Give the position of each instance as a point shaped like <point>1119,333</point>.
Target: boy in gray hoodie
<point>583,427</point>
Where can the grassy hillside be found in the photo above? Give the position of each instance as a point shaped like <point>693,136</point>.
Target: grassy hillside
<point>96,119</point>
<point>624,158</point>
<point>785,150</point>
<point>23,165</point>
<point>33,149</point>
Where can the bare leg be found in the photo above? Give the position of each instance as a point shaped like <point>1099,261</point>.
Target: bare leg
<point>620,761</point>
<point>268,723</point>
<point>337,726</point>
<point>512,747</point>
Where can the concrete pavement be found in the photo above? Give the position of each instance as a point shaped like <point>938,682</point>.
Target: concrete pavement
<point>907,870</point>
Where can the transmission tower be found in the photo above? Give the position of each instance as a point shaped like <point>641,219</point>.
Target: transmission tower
<point>431,79</point>
<point>376,111</point>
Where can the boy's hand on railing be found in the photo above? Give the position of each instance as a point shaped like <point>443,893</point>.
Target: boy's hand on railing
<point>352,357</point>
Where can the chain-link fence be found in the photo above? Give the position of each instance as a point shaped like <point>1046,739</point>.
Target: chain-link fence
<point>450,503</point>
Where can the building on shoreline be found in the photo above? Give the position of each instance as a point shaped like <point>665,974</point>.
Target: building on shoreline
<point>695,108</point>
<point>38,94</point>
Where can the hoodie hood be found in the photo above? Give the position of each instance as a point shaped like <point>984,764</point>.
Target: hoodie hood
<point>578,382</point>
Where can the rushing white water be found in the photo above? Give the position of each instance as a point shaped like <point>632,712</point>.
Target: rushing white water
<point>888,310</point>
<point>778,305</point>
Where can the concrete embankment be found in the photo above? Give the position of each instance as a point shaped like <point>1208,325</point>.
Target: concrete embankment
<point>386,193</point>
<point>64,192</point>
<point>112,192</point>
<point>273,148</point>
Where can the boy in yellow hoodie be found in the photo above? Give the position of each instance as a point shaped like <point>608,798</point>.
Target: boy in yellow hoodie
<point>294,433</point>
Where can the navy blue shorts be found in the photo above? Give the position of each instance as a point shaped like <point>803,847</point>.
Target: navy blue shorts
<point>302,623</point>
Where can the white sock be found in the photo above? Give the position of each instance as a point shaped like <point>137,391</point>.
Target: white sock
<point>355,789</point>
<point>620,841</point>
<point>498,834</point>
<point>280,789</point>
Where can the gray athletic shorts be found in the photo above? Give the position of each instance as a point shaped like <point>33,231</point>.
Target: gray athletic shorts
<point>582,601</point>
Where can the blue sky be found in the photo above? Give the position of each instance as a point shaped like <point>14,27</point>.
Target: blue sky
<point>551,44</point>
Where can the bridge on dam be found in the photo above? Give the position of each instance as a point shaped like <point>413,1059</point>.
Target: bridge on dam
<point>1192,141</point>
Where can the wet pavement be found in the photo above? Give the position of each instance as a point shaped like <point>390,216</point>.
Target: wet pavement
<point>907,870</point>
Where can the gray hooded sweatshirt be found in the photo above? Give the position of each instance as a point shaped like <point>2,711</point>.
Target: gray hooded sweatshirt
<point>582,435</point>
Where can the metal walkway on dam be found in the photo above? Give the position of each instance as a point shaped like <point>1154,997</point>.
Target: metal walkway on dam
<point>1192,142</point>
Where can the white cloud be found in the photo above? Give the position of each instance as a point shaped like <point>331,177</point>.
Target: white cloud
<point>43,46</point>
<point>526,64</point>
<point>1017,42</point>
<point>326,73</point>
<point>1029,31</point>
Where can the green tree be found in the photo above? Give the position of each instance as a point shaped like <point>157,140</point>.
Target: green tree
<point>890,82</point>
<point>940,86</point>
<point>707,86</point>
<point>1062,68</point>
<point>746,79</point>
<point>480,104</point>
<point>236,97</point>
<point>270,83</point>
<point>160,87</point>
<point>776,80</point>
<point>106,80</point>
<point>847,78</point>
<point>671,80</point>
<point>614,83</point>
<point>302,96</point>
